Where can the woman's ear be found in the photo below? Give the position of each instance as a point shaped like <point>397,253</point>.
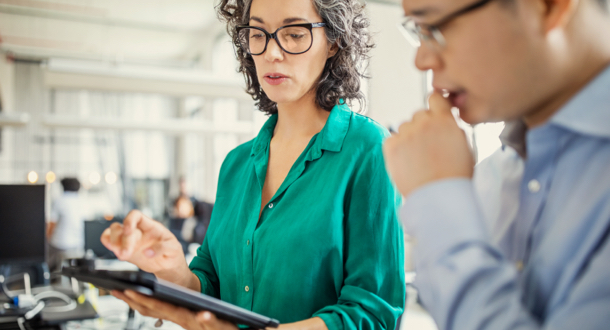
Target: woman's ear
<point>333,49</point>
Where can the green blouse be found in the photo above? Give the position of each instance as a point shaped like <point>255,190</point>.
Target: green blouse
<point>328,244</point>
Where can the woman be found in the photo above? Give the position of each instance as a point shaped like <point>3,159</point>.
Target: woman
<point>304,227</point>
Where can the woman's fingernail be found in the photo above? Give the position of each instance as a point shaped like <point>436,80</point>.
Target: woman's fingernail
<point>207,316</point>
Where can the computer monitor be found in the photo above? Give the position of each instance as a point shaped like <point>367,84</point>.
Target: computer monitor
<point>22,224</point>
<point>93,233</point>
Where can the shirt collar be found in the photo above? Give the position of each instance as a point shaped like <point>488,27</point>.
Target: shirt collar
<point>587,113</point>
<point>330,137</point>
<point>513,135</point>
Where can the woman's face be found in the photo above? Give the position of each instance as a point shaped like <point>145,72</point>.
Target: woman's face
<point>284,77</point>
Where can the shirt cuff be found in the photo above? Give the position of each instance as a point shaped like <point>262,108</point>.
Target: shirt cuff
<point>202,282</point>
<point>441,216</point>
<point>332,320</point>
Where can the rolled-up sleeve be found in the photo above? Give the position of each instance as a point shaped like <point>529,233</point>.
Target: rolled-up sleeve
<point>202,266</point>
<point>373,293</point>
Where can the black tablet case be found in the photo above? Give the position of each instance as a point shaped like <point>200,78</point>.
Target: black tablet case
<point>149,285</point>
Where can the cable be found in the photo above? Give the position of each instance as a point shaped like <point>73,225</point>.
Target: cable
<point>30,315</point>
<point>9,294</point>
<point>71,304</point>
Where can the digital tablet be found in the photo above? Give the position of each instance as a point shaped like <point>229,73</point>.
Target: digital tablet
<point>148,284</point>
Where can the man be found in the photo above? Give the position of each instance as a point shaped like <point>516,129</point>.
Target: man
<point>65,230</point>
<point>522,242</point>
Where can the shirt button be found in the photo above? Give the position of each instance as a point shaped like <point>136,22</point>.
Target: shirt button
<point>247,288</point>
<point>248,242</point>
<point>270,205</point>
<point>519,265</point>
<point>534,186</point>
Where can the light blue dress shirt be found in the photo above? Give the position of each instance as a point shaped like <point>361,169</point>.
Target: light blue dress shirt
<point>525,244</point>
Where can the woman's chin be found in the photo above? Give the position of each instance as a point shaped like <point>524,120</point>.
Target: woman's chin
<point>280,99</point>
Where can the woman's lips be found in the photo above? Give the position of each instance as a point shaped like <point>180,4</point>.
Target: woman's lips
<point>275,79</point>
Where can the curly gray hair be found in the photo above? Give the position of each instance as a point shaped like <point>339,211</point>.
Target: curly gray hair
<point>346,27</point>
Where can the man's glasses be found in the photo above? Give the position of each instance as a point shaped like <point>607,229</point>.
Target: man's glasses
<point>416,33</point>
<point>293,39</point>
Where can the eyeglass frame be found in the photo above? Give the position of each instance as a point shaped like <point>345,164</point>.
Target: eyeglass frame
<point>269,36</point>
<point>435,28</point>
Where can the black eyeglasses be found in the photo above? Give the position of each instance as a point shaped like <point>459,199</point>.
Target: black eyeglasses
<point>293,39</point>
<point>415,32</point>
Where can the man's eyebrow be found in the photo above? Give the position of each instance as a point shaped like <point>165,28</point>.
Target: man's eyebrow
<point>420,12</point>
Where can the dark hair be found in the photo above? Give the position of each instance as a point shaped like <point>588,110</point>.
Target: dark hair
<point>70,184</point>
<point>346,27</point>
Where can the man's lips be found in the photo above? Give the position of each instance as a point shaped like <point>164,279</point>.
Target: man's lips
<point>456,97</point>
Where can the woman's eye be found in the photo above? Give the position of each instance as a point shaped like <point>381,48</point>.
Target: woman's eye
<point>297,36</point>
<point>257,36</point>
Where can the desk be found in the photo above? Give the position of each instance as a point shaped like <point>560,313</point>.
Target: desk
<point>113,316</point>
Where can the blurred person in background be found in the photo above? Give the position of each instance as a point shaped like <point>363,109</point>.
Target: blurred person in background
<point>522,241</point>
<point>65,229</point>
<point>182,213</point>
<point>183,188</point>
<point>195,232</point>
<point>304,228</point>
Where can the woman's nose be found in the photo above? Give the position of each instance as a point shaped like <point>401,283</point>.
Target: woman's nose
<point>274,52</point>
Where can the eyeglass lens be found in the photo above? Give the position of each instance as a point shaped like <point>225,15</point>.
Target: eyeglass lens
<point>416,34</point>
<point>292,39</point>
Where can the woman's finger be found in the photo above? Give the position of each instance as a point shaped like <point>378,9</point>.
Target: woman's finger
<point>210,322</point>
<point>178,315</point>
<point>137,306</point>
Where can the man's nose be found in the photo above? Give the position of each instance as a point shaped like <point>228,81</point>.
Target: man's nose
<point>427,57</point>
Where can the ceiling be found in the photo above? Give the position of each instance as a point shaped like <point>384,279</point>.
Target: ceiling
<point>155,32</point>
<point>118,30</point>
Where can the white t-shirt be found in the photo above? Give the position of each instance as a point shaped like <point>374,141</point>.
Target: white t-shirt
<point>67,212</point>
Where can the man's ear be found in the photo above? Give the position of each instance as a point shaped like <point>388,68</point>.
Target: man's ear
<point>332,51</point>
<point>558,13</point>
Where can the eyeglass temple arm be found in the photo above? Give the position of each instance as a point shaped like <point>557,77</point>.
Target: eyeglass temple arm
<point>459,13</point>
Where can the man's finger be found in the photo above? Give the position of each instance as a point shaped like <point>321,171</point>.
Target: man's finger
<point>404,127</point>
<point>439,104</point>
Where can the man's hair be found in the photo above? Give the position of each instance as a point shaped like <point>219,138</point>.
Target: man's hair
<point>346,28</point>
<point>70,184</point>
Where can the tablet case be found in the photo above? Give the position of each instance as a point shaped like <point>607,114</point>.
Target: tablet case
<point>148,284</point>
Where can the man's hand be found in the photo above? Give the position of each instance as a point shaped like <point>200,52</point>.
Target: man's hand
<point>185,318</point>
<point>430,147</point>
<point>150,246</point>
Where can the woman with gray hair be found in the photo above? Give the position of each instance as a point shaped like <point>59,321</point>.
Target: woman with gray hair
<point>304,227</point>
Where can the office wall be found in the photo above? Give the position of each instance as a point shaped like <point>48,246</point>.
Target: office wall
<point>396,88</point>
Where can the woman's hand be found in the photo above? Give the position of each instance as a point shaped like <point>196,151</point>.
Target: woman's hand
<point>150,246</point>
<point>183,317</point>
